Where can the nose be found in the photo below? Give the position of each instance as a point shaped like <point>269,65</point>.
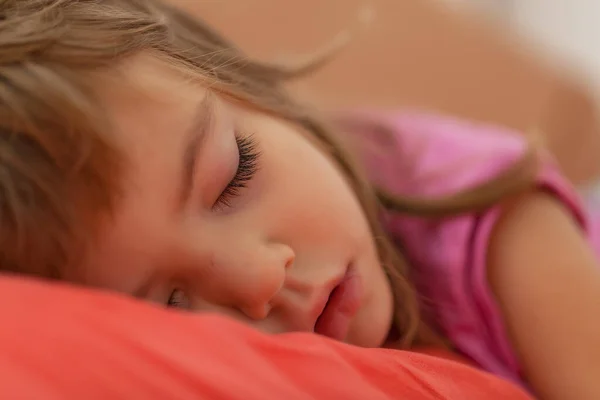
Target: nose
<point>256,274</point>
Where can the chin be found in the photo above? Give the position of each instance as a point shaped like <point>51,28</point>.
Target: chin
<point>370,331</point>
<point>372,324</point>
<point>371,339</point>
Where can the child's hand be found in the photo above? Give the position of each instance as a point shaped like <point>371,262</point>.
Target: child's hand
<point>547,281</point>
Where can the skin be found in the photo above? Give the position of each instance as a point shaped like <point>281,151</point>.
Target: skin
<point>269,257</point>
<point>547,282</point>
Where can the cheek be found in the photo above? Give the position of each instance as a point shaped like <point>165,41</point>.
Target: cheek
<point>308,192</point>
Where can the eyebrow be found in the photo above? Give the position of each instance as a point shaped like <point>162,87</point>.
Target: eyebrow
<point>195,135</point>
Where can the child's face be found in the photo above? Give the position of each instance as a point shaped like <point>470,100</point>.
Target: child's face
<point>269,253</point>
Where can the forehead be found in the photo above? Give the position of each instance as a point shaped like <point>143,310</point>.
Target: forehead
<point>150,106</point>
<point>143,80</point>
<point>148,102</point>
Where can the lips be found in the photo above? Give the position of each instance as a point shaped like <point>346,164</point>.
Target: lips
<point>341,307</point>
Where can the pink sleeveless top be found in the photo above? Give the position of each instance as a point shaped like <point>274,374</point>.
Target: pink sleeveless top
<point>436,156</point>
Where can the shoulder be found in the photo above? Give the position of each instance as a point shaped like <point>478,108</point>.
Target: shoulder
<point>436,156</point>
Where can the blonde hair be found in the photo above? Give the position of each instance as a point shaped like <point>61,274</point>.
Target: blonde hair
<point>58,163</point>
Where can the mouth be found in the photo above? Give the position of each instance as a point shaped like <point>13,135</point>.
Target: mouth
<point>341,306</point>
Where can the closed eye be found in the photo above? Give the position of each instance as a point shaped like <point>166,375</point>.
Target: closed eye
<point>247,167</point>
<point>178,299</point>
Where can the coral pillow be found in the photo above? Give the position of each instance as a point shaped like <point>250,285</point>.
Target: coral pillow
<point>59,342</point>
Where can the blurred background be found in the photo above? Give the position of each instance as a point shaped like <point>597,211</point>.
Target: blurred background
<point>532,65</point>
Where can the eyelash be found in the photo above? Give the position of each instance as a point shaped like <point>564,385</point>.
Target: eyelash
<point>247,167</point>
<point>175,302</point>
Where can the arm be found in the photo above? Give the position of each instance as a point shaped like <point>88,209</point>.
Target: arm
<point>547,282</point>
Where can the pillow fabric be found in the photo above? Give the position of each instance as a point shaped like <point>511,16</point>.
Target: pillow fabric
<point>62,342</point>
